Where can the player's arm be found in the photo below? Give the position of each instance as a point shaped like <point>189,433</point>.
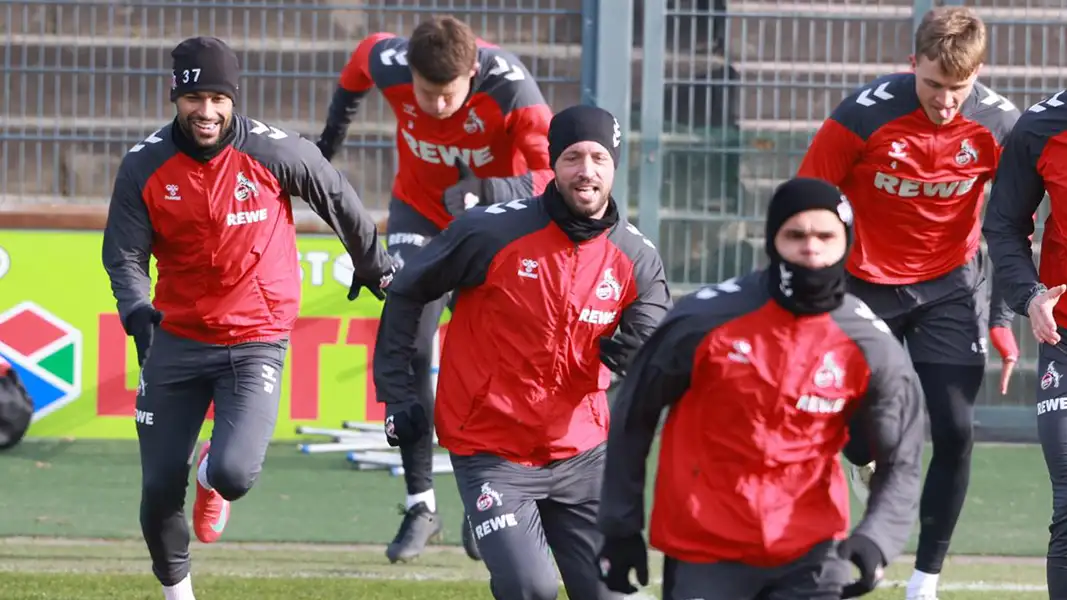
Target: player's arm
<point>352,86</point>
<point>303,171</point>
<point>1018,190</point>
<point>127,243</point>
<point>639,318</point>
<point>528,128</point>
<point>457,258</point>
<point>658,377</point>
<point>893,412</point>
<point>836,147</point>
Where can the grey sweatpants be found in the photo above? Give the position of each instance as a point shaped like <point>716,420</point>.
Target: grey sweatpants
<point>179,379</point>
<point>520,513</point>
<point>818,575</point>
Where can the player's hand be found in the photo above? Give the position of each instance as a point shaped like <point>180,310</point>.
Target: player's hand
<point>1004,341</point>
<point>861,551</point>
<point>1040,312</point>
<point>375,286</point>
<point>468,192</point>
<point>617,557</point>
<point>141,326</point>
<point>405,422</point>
<point>616,352</point>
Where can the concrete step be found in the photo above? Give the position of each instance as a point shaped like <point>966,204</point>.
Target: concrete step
<point>86,169</point>
<point>278,85</point>
<point>496,20</point>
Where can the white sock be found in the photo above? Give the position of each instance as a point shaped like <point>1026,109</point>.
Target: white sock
<point>427,497</point>
<point>201,474</point>
<point>922,584</point>
<point>183,590</point>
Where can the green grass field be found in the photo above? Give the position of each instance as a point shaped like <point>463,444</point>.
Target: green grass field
<point>314,528</point>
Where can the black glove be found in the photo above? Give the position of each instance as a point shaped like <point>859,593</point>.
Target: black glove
<point>862,552</point>
<point>455,198</point>
<point>617,557</point>
<point>141,326</point>
<point>376,287</point>
<point>618,351</point>
<point>405,422</point>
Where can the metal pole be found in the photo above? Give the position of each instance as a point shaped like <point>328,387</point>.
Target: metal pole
<point>652,87</point>
<point>590,10</point>
<point>614,50</point>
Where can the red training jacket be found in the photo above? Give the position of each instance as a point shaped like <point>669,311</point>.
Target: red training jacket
<point>222,232</point>
<point>521,374</point>
<point>916,187</point>
<point>760,404</point>
<point>501,132</point>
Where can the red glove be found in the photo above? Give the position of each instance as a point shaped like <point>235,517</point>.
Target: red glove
<point>1004,341</point>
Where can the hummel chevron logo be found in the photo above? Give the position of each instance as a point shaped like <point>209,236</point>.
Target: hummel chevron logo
<point>879,92</point>
<point>1051,102</point>
<point>995,99</point>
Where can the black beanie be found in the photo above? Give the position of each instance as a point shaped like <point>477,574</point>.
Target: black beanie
<point>583,123</point>
<point>204,64</point>
<point>800,194</point>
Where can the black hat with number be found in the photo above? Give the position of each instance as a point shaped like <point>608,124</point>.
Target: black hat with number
<point>204,64</point>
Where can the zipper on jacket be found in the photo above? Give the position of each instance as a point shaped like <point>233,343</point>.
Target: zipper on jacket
<point>561,325</point>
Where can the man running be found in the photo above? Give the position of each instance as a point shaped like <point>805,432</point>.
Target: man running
<point>550,292</point>
<point>1031,164</point>
<point>760,377</point>
<point>913,153</point>
<point>209,196</point>
<point>471,129</point>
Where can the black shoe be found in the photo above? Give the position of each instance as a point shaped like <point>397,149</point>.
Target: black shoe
<point>469,543</point>
<point>419,527</point>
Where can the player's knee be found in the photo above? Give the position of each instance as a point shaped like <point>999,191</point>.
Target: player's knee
<point>525,584</point>
<point>953,438</point>
<point>231,478</point>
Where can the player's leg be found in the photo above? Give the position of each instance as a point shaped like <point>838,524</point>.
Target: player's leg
<point>719,580</point>
<point>568,516</point>
<point>1052,432</point>
<point>500,499</point>
<point>172,400</point>
<point>407,232</point>
<point>247,382</point>
<point>947,343</point>
<point>818,575</point>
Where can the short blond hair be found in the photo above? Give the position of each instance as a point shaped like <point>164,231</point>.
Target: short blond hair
<point>955,37</point>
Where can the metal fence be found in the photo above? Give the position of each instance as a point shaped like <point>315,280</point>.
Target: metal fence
<point>86,79</point>
<point>722,97</point>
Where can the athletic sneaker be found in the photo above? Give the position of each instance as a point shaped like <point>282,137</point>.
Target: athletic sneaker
<point>419,527</point>
<point>859,478</point>
<point>469,543</point>
<point>211,511</point>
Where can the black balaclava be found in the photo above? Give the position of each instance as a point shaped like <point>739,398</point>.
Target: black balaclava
<point>798,289</point>
<point>570,126</point>
<point>203,64</point>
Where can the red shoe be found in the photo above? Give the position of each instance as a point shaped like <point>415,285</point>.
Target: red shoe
<point>211,511</point>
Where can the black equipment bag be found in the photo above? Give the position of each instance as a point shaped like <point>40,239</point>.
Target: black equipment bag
<point>16,408</point>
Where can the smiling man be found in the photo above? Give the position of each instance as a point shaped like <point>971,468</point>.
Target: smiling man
<point>471,127</point>
<point>552,292</point>
<point>914,152</point>
<point>210,197</point>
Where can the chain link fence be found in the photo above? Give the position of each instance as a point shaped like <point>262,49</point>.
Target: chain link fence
<point>86,79</point>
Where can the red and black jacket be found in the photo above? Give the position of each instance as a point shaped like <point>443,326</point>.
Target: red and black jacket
<point>501,133</point>
<point>760,401</point>
<point>1031,164</point>
<point>521,373</point>
<point>222,231</point>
